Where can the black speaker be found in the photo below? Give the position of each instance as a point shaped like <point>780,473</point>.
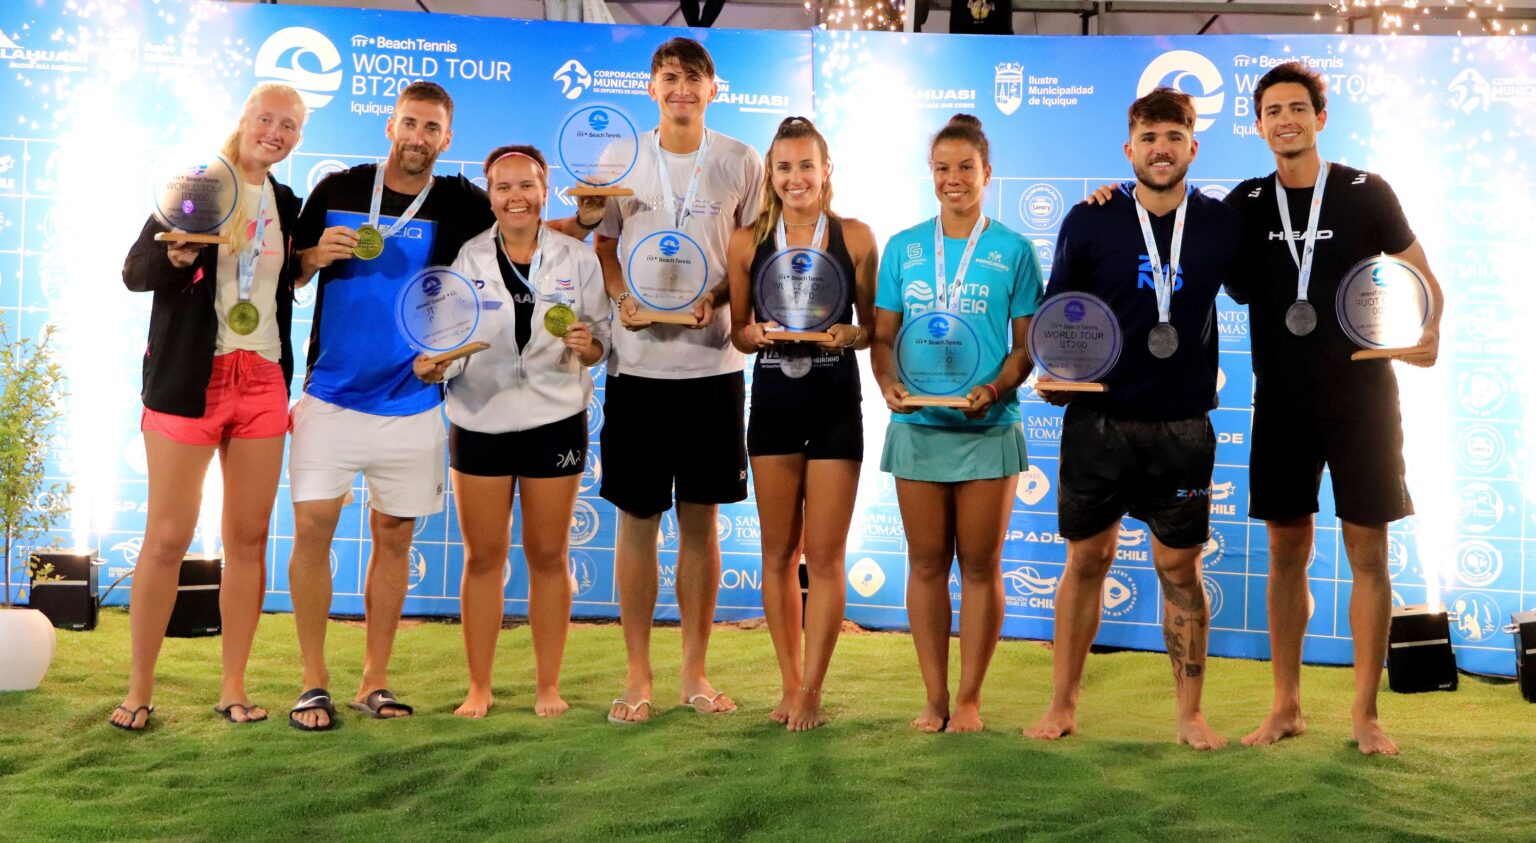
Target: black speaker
<point>1524,628</point>
<point>68,598</point>
<point>1419,656</point>
<point>197,597</point>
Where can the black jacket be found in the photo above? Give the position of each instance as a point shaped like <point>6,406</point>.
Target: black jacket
<point>183,328</point>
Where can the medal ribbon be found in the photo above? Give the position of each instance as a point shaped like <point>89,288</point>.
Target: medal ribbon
<point>683,212</point>
<point>378,199</point>
<point>251,253</point>
<point>533,264</point>
<point>947,293</point>
<point>781,237</point>
<point>1304,262</point>
<point>1162,282</point>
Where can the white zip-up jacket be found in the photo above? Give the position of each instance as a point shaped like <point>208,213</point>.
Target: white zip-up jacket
<point>501,389</point>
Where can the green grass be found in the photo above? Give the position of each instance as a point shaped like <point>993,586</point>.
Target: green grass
<point>65,774</point>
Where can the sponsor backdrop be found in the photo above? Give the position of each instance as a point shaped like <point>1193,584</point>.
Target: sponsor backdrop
<point>101,92</point>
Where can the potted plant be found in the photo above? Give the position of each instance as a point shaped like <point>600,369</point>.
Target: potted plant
<point>31,401</point>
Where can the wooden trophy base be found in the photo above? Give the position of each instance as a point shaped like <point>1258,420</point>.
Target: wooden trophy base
<point>1069,386</point>
<point>1387,353</point>
<point>797,336</point>
<point>936,401</point>
<point>462,351</point>
<point>184,237</point>
<point>599,191</point>
<point>667,317</point>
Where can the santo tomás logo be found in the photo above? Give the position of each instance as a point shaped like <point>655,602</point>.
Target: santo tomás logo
<point>304,59</point>
<point>800,263</point>
<point>669,245</point>
<point>598,120</point>
<point>938,327</point>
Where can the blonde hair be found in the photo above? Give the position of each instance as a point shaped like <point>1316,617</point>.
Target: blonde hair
<point>792,128</point>
<point>235,228</point>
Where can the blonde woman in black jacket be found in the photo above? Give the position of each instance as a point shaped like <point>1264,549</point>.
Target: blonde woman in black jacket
<point>216,379</point>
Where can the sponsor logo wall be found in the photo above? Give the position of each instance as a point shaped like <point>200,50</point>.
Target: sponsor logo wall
<point>170,76</point>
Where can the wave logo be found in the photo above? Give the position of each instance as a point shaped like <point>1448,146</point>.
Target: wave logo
<point>1075,311</point>
<point>669,245</point>
<point>1119,596</point>
<point>1008,87</point>
<point>1469,91</point>
<point>938,327</point>
<point>431,286</point>
<point>301,57</point>
<point>321,170</point>
<point>1033,486</point>
<point>573,78</point>
<point>800,263</point>
<point>866,577</point>
<point>597,121</point>
<point>1479,563</point>
<point>584,523</point>
<point>918,295</point>
<point>1027,580</point>
<point>1473,617</point>
<point>1215,191</point>
<point>1180,68</point>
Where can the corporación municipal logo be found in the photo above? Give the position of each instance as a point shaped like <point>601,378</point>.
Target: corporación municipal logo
<point>1041,207</point>
<point>1478,563</point>
<point>1470,91</point>
<point>866,576</point>
<point>301,57</point>
<point>1190,73</point>
<point>1008,87</point>
<point>1474,617</point>
<point>573,78</point>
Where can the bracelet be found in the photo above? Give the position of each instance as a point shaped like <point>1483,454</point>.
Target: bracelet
<point>993,389</point>
<point>805,690</point>
<point>858,334</point>
<point>619,302</point>
<point>585,227</point>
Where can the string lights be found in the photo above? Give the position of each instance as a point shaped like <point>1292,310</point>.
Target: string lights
<point>858,14</point>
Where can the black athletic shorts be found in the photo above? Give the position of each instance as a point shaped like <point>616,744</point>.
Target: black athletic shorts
<point>818,434</point>
<point>1158,471</point>
<point>1364,456</point>
<point>659,434</point>
<point>557,449</point>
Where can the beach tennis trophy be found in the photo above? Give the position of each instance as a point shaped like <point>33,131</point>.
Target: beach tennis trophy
<point>1074,339</point>
<point>938,357</point>
<point>1384,305</point>
<point>598,145</point>
<point>196,200</point>
<point>803,291</point>
<point>437,312</point>
<point>667,273</point>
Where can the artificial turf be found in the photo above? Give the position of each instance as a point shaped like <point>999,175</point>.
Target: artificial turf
<point>1465,773</point>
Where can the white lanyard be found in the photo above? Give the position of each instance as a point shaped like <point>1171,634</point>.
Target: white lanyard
<point>533,264</point>
<point>946,293</point>
<point>378,199</point>
<point>1162,283</point>
<point>1304,262</point>
<point>252,253</point>
<point>781,238</point>
<point>664,174</point>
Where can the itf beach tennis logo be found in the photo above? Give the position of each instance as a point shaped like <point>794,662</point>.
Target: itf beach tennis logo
<point>669,245</point>
<point>1474,617</point>
<point>598,120</point>
<point>573,78</point>
<point>301,57</point>
<point>1041,207</point>
<point>866,576</point>
<point>800,263</point>
<point>938,327</point>
<point>1008,87</point>
<point>1190,73</point>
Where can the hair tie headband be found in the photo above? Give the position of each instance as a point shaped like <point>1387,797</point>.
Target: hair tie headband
<point>506,155</point>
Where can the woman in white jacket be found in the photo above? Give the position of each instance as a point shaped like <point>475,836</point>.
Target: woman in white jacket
<point>518,414</point>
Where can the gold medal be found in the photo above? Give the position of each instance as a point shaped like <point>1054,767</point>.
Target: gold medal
<point>243,318</point>
<point>558,319</point>
<point>370,243</point>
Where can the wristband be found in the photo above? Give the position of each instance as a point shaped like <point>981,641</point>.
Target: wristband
<point>993,390</point>
<point>585,227</point>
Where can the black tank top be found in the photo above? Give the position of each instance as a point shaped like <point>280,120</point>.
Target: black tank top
<point>793,376</point>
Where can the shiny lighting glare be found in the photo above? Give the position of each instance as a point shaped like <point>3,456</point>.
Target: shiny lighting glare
<point>858,15</point>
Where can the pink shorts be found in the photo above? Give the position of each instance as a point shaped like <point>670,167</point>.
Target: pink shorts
<point>247,399</point>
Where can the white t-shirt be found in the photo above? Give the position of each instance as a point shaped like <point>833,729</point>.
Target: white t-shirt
<point>266,340</point>
<point>728,197</point>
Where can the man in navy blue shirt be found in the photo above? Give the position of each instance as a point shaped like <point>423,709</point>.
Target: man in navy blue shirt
<point>1157,253</point>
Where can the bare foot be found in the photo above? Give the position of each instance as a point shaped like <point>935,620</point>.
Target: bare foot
<point>780,713</point>
<point>634,706</point>
<point>1055,723</point>
<point>706,700</point>
<point>132,715</point>
<point>933,719</point>
<point>1197,734</point>
<point>1372,740</point>
<point>476,704</point>
<point>806,715</point>
<point>547,702</point>
<point>1278,726</point>
<point>967,718</point>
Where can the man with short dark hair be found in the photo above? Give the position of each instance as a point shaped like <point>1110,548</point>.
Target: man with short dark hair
<point>1305,226</point>
<point>1157,253</point>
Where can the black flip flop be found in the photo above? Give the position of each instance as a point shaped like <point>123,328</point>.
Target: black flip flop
<point>377,702</point>
<point>228,713</point>
<point>315,699</point>
<point>133,716</point>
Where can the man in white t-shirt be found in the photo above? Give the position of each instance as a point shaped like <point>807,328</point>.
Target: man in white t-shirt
<point>674,393</point>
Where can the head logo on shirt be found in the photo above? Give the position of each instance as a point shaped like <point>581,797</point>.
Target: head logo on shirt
<point>669,245</point>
